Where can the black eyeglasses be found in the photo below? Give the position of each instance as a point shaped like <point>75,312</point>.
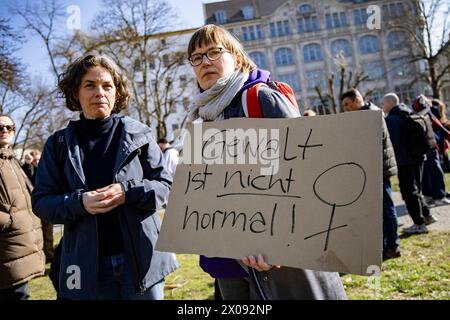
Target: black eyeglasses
<point>8,127</point>
<point>212,55</point>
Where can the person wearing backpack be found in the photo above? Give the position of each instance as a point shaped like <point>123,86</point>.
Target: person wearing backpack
<point>433,184</point>
<point>409,161</point>
<point>170,156</point>
<point>352,100</point>
<point>230,86</point>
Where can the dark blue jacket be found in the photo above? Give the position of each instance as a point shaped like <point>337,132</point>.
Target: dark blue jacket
<point>60,183</point>
<point>396,126</point>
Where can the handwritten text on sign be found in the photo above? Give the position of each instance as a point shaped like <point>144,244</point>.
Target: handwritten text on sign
<point>315,205</point>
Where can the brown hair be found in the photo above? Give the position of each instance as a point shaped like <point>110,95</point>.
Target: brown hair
<point>70,81</point>
<point>212,34</point>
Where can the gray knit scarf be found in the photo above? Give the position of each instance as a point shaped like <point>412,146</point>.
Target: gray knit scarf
<point>210,103</point>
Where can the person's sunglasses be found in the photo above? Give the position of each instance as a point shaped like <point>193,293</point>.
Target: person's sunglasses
<point>212,55</point>
<point>8,127</point>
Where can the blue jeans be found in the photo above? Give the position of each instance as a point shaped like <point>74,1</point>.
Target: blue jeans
<point>390,236</point>
<point>116,281</point>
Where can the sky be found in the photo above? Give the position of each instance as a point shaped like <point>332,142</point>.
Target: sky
<point>33,54</point>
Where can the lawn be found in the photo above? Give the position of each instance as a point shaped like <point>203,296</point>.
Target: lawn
<point>423,272</point>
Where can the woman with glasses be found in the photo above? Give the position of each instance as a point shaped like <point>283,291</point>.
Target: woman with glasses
<point>103,178</point>
<point>224,71</point>
<point>21,256</point>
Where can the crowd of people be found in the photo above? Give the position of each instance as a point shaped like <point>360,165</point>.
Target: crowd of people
<point>104,176</point>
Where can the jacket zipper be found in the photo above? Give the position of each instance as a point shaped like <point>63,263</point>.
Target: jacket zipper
<point>29,204</point>
<point>20,186</point>
<point>133,250</point>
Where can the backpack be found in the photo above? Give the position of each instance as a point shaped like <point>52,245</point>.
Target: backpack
<point>419,134</point>
<point>250,101</point>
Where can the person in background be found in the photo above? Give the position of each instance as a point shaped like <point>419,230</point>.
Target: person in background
<point>443,144</point>
<point>21,256</point>
<point>224,71</point>
<point>103,177</point>
<point>309,113</point>
<point>352,100</point>
<point>30,167</point>
<point>170,155</point>
<point>410,168</point>
<point>433,185</point>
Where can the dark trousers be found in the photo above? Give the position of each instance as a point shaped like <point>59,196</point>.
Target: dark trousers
<point>433,176</point>
<point>47,233</point>
<point>410,183</point>
<point>390,236</point>
<point>19,292</point>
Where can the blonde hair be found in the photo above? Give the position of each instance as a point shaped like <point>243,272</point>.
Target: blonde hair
<point>441,107</point>
<point>35,152</point>
<point>211,34</point>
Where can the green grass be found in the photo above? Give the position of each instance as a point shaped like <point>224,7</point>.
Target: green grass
<point>394,181</point>
<point>423,272</point>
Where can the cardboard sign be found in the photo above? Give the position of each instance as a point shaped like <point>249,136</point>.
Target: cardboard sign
<point>304,192</point>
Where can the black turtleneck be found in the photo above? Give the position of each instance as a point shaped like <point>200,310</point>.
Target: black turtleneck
<point>99,143</point>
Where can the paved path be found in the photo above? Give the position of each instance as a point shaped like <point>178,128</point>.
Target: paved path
<point>441,213</point>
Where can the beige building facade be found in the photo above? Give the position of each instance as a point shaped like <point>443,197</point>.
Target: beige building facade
<point>304,43</point>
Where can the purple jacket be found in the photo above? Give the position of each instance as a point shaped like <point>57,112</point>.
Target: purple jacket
<point>225,267</point>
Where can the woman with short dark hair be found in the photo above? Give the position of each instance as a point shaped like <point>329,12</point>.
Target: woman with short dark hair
<point>103,178</point>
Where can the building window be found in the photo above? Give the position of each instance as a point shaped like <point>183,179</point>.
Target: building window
<point>341,46</point>
<point>305,9</point>
<point>291,79</point>
<point>250,33</point>
<point>393,11</point>
<point>400,67</point>
<point>405,93</point>
<point>151,63</point>
<point>312,52</point>
<point>315,78</point>
<point>137,65</point>
<point>335,20</point>
<point>248,12</point>
<point>259,58</point>
<point>185,103</point>
<point>279,28</point>
<point>376,96</point>
<point>307,24</point>
<point>221,16</point>
<point>166,60</point>
<point>368,44</point>
<point>360,16</point>
<point>397,40</point>
<point>284,56</point>
<point>373,70</point>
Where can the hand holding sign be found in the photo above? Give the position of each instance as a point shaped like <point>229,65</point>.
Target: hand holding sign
<point>318,208</point>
